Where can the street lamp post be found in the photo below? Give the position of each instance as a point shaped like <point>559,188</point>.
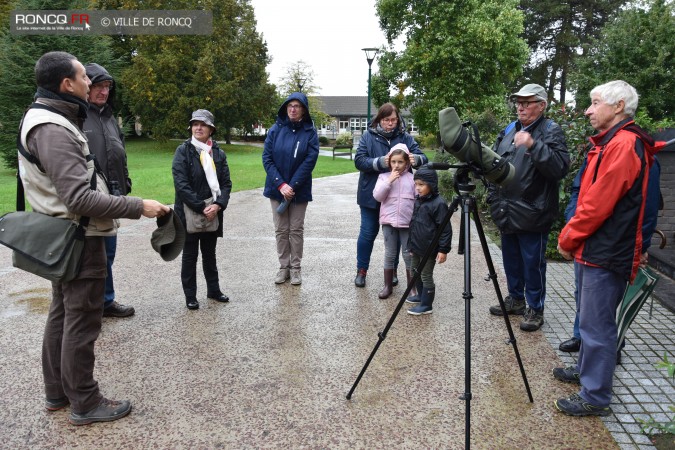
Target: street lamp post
<point>300,82</point>
<point>370,57</point>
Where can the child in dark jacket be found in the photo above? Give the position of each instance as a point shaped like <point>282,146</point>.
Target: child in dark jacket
<point>430,210</point>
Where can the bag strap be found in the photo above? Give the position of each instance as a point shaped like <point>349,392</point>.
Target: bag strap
<point>20,194</point>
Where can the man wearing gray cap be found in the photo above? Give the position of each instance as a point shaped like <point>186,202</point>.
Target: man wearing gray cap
<point>525,209</point>
<point>106,142</point>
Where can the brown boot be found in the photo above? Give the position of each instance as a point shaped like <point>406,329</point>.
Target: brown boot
<point>388,279</point>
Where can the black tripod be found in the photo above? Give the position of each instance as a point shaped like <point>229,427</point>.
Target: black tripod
<point>463,187</point>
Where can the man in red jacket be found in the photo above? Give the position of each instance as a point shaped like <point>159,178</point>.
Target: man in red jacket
<point>604,238</point>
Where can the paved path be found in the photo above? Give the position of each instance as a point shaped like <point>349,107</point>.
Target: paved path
<point>271,368</point>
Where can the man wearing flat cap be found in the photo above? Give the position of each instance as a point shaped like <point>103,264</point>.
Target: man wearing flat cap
<point>525,209</point>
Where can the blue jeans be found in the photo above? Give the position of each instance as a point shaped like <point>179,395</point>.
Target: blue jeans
<point>110,250</point>
<point>370,226</point>
<point>525,267</point>
<point>600,292</point>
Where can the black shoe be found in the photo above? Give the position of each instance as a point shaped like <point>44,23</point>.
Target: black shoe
<point>106,411</point>
<point>360,280</point>
<point>219,298</point>
<point>54,404</point>
<point>567,375</point>
<point>570,345</point>
<point>574,405</point>
<point>118,310</point>
<point>532,320</point>
<point>514,307</point>
<point>192,303</point>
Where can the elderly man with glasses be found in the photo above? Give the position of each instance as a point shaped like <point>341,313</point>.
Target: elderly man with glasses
<point>106,142</point>
<point>525,209</point>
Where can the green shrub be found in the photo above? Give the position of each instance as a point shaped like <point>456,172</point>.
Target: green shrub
<point>323,140</point>
<point>429,141</point>
<point>344,139</point>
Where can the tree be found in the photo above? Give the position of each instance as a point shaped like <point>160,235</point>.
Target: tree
<point>299,77</point>
<point>171,76</point>
<point>457,53</point>
<point>639,48</point>
<point>18,55</point>
<point>555,32</point>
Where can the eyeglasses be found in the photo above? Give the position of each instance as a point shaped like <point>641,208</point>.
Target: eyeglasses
<point>102,86</point>
<point>527,103</point>
<point>390,120</point>
<point>294,106</point>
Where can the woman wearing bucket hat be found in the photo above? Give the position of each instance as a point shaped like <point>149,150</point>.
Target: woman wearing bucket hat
<point>289,157</point>
<point>201,178</point>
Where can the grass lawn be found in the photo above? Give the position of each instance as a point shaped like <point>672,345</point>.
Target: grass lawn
<point>150,169</point>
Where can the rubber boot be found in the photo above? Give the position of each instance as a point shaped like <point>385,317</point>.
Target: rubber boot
<point>388,280</point>
<point>394,280</point>
<point>426,300</point>
<point>415,292</point>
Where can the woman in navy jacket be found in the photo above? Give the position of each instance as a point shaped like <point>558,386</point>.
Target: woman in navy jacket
<point>385,130</point>
<point>291,151</point>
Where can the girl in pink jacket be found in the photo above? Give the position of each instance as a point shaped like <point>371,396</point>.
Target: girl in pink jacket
<point>395,191</point>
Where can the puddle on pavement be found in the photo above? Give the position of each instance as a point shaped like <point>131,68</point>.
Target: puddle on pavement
<point>29,301</point>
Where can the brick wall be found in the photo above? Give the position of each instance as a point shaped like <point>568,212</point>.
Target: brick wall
<point>666,222</point>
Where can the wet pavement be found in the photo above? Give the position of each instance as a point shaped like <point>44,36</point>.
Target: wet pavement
<point>271,368</point>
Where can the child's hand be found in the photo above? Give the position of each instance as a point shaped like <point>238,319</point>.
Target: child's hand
<point>441,257</point>
<point>393,176</point>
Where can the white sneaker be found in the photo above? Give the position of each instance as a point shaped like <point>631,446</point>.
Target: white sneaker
<point>282,276</point>
<point>296,279</point>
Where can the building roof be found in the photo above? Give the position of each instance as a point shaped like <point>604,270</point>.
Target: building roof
<point>350,106</point>
<point>346,105</point>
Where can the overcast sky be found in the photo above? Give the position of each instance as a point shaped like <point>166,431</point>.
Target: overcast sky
<point>327,35</point>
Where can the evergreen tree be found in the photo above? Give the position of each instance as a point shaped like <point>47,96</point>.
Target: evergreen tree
<point>18,55</point>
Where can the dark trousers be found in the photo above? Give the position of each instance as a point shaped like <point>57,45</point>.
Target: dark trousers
<point>188,273</point>
<point>110,250</point>
<point>73,325</point>
<point>524,256</point>
<point>427,272</point>
<point>600,292</point>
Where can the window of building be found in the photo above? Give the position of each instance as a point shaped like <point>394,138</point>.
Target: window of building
<point>344,124</point>
<point>410,125</point>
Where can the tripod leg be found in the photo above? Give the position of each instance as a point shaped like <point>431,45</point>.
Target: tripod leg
<point>465,248</point>
<point>493,276</point>
<point>417,273</point>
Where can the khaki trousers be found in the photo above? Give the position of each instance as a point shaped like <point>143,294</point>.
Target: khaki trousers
<point>289,230</point>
